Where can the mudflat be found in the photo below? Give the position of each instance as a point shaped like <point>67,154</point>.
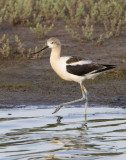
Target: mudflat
<point>33,82</point>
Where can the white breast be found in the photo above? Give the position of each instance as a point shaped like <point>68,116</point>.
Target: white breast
<point>59,66</point>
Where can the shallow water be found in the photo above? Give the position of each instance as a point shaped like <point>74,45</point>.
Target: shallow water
<point>32,133</point>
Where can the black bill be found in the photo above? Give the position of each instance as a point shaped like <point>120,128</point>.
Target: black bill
<point>40,50</point>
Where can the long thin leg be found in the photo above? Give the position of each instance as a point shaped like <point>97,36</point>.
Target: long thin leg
<point>85,93</point>
<point>85,113</point>
<point>84,97</point>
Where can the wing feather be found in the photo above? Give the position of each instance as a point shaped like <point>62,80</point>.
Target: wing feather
<point>92,68</point>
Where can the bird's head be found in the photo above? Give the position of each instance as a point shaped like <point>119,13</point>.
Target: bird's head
<point>51,43</point>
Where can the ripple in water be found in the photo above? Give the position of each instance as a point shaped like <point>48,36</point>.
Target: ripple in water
<point>34,133</point>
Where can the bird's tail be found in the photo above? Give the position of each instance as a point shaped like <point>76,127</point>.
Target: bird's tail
<point>105,68</point>
<point>110,66</point>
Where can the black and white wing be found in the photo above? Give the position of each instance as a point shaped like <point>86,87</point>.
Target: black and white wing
<point>81,67</point>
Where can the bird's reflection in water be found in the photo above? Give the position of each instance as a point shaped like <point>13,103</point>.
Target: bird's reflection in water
<point>84,124</point>
<point>59,119</point>
<point>67,139</point>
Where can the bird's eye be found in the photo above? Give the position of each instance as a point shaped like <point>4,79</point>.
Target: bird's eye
<point>52,42</point>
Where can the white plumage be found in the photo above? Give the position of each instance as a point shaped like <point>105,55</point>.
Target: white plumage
<point>73,68</point>
<point>59,66</point>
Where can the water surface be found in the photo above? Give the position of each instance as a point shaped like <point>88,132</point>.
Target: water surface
<point>32,133</point>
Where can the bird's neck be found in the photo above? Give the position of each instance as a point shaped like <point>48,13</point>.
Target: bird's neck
<point>55,53</point>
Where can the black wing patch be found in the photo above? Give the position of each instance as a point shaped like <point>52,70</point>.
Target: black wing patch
<point>81,70</point>
<point>73,59</point>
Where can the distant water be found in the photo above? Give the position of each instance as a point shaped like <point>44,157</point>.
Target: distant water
<point>33,133</point>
